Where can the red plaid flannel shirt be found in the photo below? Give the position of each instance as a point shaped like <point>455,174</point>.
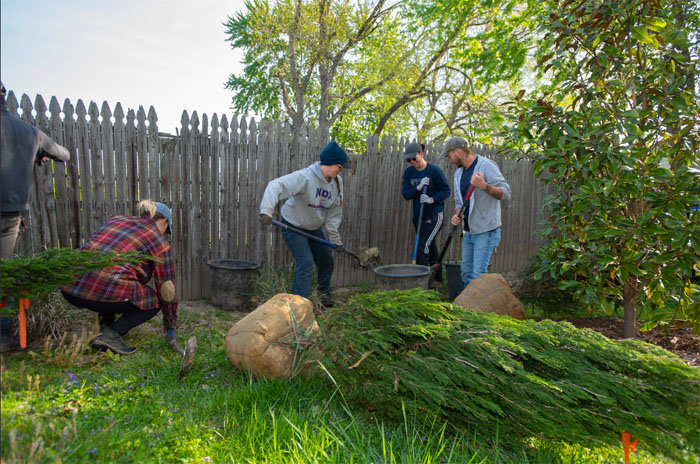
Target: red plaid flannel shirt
<point>128,282</point>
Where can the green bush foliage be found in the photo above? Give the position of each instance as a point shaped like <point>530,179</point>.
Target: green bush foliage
<point>508,378</point>
<point>615,137</point>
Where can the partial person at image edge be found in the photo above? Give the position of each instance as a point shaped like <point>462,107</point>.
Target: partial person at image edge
<point>22,146</point>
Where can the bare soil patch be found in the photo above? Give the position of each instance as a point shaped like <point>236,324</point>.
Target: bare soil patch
<point>679,341</point>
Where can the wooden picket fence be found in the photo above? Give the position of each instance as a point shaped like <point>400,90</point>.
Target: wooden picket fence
<point>213,174</point>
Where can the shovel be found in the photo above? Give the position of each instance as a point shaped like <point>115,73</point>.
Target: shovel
<point>420,221</point>
<point>451,233</point>
<point>187,354</point>
<point>283,226</point>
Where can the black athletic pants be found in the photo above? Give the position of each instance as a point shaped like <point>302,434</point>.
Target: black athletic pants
<point>427,249</point>
<point>132,315</point>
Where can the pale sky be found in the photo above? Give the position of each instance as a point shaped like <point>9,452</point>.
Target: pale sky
<point>169,54</point>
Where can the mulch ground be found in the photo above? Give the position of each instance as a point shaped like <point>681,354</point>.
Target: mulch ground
<point>680,341</point>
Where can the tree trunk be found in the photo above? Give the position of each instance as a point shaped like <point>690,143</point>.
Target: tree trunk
<point>630,296</point>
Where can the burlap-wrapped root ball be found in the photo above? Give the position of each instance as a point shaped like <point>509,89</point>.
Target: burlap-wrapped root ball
<point>490,293</point>
<point>272,340</point>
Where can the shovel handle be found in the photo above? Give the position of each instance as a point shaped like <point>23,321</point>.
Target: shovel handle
<point>284,226</point>
<point>449,236</point>
<point>420,221</point>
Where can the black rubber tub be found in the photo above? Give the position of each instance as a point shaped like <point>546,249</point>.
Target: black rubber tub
<point>232,282</point>
<point>402,276</point>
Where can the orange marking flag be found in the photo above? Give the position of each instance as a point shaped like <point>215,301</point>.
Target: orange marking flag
<point>23,304</point>
<point>628,445</point>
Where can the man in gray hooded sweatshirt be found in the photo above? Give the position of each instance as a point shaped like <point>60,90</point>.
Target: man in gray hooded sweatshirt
<point>314,200</point>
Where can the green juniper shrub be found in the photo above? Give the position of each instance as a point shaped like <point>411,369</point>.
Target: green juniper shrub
<point>520,379</point>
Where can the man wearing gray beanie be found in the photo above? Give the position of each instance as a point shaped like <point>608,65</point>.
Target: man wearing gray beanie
<point>313,200</point>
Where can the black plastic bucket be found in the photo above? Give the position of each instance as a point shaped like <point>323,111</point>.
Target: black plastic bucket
<point>232,283</point>
<point>402,276</point>
<point>454,278</point>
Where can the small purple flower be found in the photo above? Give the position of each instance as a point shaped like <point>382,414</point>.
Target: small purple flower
<point>174,410</point>
<point>92,451</point>
<point>72,377</point>
<point>206,459</point>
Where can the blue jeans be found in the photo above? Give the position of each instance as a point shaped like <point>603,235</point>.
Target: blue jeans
<point>308,252</point>
<point>476,253</point>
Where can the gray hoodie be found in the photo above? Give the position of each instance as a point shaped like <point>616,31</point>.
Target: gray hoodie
<point>484,210</point>
<point>312,202</point>
<point>21,144</point>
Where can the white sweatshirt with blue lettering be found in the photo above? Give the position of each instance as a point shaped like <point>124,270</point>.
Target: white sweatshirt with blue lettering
<point>312,202</point>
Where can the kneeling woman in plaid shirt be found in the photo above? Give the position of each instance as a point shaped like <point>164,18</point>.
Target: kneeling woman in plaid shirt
<point>122,289</point>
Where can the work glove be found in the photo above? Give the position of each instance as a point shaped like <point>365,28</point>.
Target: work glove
<point>426,199</point>
<point>265,219</point>
<point>340,248</point>
<point>423,182</point>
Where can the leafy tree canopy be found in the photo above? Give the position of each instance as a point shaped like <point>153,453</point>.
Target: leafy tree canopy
<point>412,68</point>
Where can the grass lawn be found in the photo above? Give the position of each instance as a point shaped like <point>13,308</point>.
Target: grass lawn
<point>69,404</point>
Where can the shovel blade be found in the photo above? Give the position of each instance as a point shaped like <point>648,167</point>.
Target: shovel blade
<point>188,357</point>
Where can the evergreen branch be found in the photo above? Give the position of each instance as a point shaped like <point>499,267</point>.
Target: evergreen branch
<point>29,277</point>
